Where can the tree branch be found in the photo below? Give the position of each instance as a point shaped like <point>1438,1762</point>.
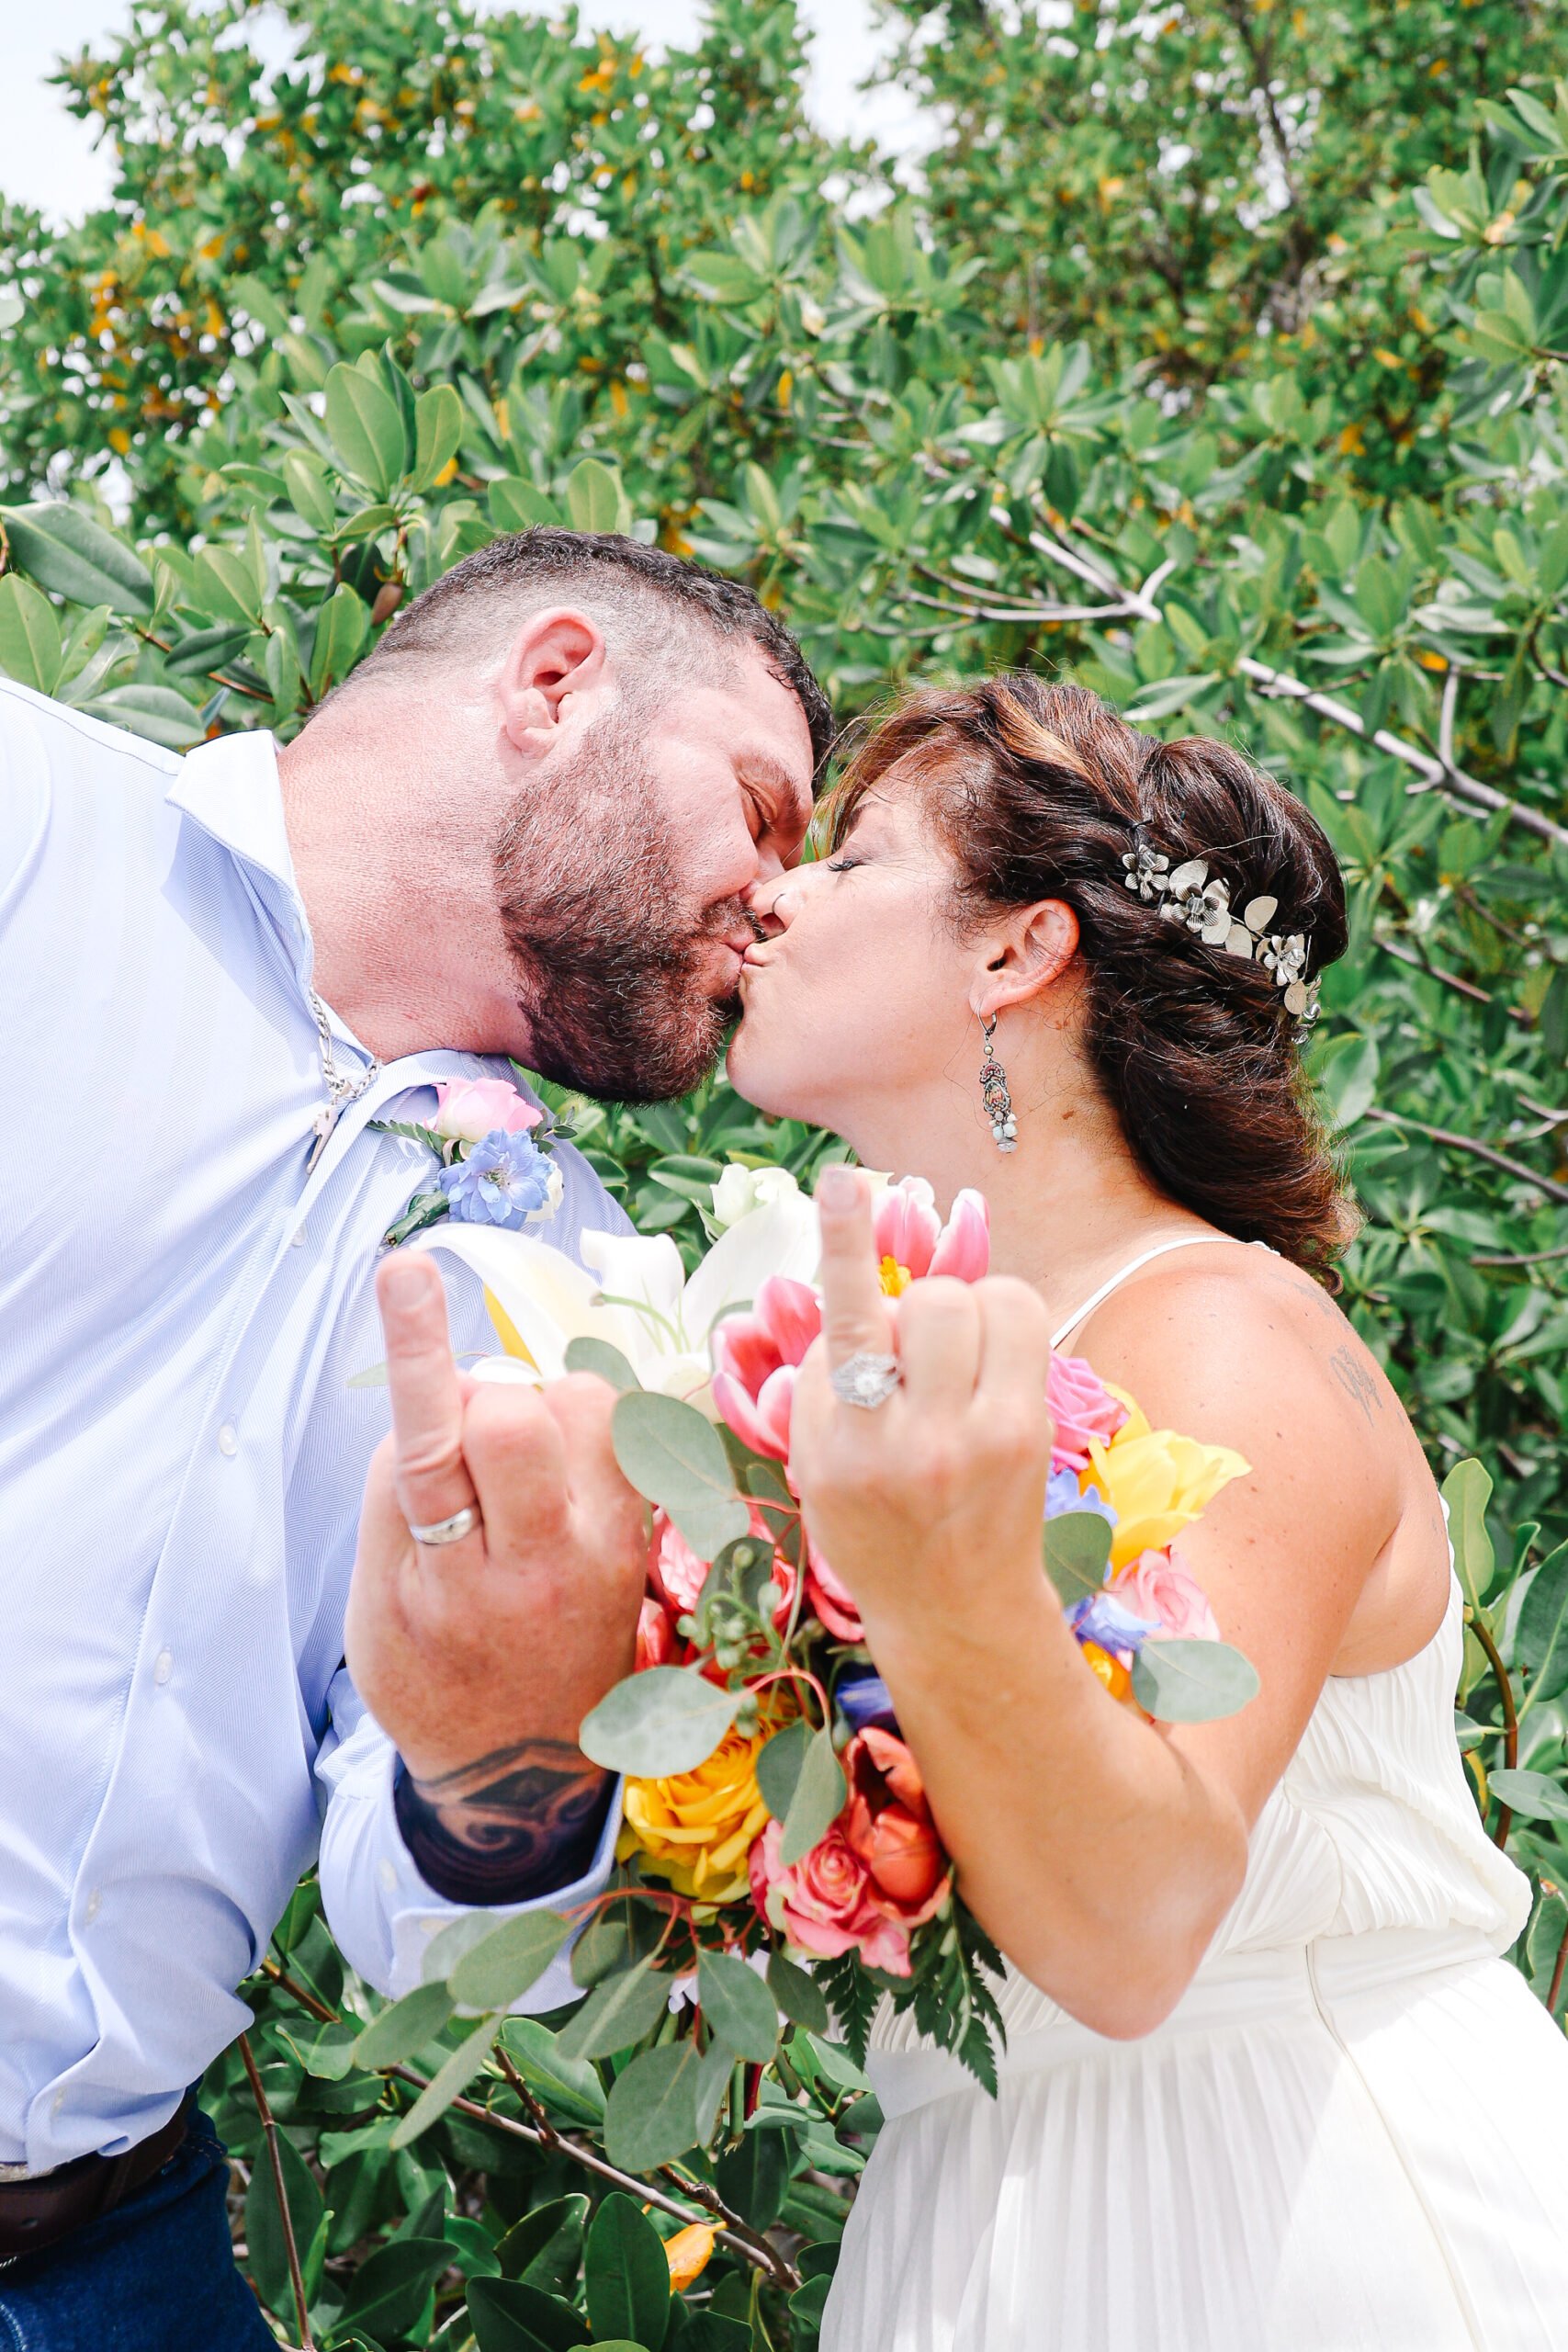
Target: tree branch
<point>1547,1184</point>
<point>269,2128</point>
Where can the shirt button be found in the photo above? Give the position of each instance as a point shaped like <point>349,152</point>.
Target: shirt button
<point>57,2102</point>
<point>388,1876</point>
<point>164,1666</point>
<point>297,1241</point>
<point>228,1439</point>
<point>92,1905</point>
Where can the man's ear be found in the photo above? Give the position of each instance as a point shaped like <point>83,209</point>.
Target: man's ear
<point>556,654</point>
<point>1023,955</point>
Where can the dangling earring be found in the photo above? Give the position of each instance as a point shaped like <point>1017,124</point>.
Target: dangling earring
<point>993,1092</point>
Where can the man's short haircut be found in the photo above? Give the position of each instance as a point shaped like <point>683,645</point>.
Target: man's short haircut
<point>660,616</point>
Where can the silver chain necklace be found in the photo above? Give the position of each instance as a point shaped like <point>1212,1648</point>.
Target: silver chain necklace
<point>343,1087</point>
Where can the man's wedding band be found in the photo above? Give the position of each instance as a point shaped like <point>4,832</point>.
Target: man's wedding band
<point>447,1531</point>
<point>865,1380</point>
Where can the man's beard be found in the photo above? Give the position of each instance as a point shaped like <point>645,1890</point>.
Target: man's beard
<point>610,964</point>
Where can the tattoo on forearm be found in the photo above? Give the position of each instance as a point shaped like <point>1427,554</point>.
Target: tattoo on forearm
<point>510,1825</point>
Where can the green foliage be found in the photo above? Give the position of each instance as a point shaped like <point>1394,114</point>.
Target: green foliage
<point>1218,356</point>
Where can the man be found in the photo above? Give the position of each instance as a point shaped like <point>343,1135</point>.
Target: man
<point>523,826</point>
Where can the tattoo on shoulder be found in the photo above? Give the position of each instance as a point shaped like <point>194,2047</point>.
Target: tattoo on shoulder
<point>1356,1379</point>
<point>511,1824</point>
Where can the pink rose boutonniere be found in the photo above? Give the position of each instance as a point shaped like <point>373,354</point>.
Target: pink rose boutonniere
<point>493,1148</point>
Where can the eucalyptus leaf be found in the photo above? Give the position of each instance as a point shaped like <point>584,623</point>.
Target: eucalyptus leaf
<point>1192,1682</point>
<point>401,2032</point>
<point>605,1362</point>
<point>779,1763</point>
<point>569,2088</point>
<point>651,2118</point>
<point>817,1801</point>
<point>450,2080</point>
<point>737,2005</point>
<point>667,1719</point>
<point>1077,1550</point>
<point>514,1956</point>
<point>797,1994</point>
<point>674,1456</point>
<point>617,2013</point>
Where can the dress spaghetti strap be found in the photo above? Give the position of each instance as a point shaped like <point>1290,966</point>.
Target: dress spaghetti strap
<point>1134,1265</point>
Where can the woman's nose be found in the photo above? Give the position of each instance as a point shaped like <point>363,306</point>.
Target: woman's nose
<point>775,904</point>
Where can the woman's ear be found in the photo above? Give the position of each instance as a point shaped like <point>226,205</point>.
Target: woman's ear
<point>1023,955</point>
<point>556,654</point>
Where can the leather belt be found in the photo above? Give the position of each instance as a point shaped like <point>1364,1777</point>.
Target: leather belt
<point>37,2213</point>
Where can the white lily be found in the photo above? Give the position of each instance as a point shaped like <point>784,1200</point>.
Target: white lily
<point>637,1295</point>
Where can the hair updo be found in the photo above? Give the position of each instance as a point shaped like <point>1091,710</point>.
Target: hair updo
<point>1040,792</point>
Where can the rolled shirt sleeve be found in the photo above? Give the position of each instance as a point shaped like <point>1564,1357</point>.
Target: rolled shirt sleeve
<point>382,1912</point>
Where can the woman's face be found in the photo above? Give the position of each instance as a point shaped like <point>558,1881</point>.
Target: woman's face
<point>856,1005</point>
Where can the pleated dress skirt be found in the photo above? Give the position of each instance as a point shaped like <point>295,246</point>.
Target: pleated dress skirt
<point>1357,2145</point>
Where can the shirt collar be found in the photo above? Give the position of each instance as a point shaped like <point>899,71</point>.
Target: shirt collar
<point>229,787</point>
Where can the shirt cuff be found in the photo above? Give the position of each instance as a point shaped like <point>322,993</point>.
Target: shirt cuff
<point>415,1913</point>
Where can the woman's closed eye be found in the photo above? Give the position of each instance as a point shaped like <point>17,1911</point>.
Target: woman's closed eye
<point>844,864</point>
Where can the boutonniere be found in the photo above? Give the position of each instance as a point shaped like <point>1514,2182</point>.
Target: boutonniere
<point>494,1150</point>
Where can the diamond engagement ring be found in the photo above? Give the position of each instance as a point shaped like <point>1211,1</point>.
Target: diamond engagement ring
<point>865,1380</point>
<point>447,1531</point>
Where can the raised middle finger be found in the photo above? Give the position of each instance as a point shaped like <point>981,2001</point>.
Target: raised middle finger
<point>939,1344</point>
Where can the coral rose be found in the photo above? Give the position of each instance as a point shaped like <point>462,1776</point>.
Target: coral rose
<point>826,1903</point>
<point>656,1638</point>
<point>888,1823</point>
<point>1160,1586</point>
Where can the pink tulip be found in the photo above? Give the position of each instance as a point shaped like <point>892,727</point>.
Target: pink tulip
<point>471,1108</point>
<point>1160,1586</point>
<point>755,1359</point>
<point>825,1903</point>
<point>908,1231</point>
<point>1081,1407</point>
<point>832,1600</point>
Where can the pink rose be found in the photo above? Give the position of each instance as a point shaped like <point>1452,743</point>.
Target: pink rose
<point>824,1904</point>
<point>1160,1586</point>
<point>888,1823</point>
<point>1081,1407</point>
<point>471,1108</point>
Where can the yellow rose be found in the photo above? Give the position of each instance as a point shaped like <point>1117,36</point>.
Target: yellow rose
<point>1156,1482</point>
<point>697,1828</point>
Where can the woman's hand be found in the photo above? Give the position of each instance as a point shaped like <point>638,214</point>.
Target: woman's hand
<point>930,1506</point>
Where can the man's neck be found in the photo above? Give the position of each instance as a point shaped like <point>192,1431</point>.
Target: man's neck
<point>401,912</point>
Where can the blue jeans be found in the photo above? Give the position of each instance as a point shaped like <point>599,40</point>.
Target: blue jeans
<point>156,2274</point>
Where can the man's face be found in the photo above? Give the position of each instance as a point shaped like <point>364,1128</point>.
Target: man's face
<point>621,873</point>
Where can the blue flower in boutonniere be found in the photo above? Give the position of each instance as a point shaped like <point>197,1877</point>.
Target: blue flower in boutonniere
<point>493,1147</point>
<point>503,1180</point>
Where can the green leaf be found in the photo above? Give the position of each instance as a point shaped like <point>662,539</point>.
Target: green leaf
<point>626,2275</point>
<point>1192,1682</point>
<point>1346,1069</point>
<point>268,2252</point>
<point>367,428</point>
<point>818,1800</point>
<point>438,422</point>
<point>1535,1795</point>
<point>667,1719</point>
<point>343,624</point>
<point>511,2316</point>
<point>779,1762</point>
<point>651,2118</point>
<point>593,497</point>
<point>617,2013</point>
<point>448,2083</point>
<point>737,2005</point>
<point>674,1456</point>
<point>546,2246</point>
<point>1544,1628</point>
<point>388,2291</point>
<point>570,2088</point>
<point>512,1956</point>
<point>753,2178</point>
<point>30,646</point>
<point>1466,1490</point>
<point>797,1994</point>
<point>156,712</point>
<point>309,489</point>
<point>62,548</point>
<point>398,2033</point>
<point>605,1362</point>
<point>517,505</point>
<point>1077,1545</point>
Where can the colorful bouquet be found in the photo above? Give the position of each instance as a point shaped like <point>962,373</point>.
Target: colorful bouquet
<point>778,1853</point>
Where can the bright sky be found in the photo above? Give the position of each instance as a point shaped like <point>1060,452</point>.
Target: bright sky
<point>47,158</point>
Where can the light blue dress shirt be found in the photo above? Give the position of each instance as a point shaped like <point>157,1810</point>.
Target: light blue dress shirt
<point>180,1455</point>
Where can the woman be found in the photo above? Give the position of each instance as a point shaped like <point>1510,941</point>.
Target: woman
<point>1268,2086</point>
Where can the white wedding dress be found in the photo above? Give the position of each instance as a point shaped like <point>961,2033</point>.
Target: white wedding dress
<point>1350,2135</point>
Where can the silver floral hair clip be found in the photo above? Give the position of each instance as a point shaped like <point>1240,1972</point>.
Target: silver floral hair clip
<point>1189,894</point>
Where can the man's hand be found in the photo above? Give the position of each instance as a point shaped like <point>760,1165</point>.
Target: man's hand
<point>481,1659</point>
